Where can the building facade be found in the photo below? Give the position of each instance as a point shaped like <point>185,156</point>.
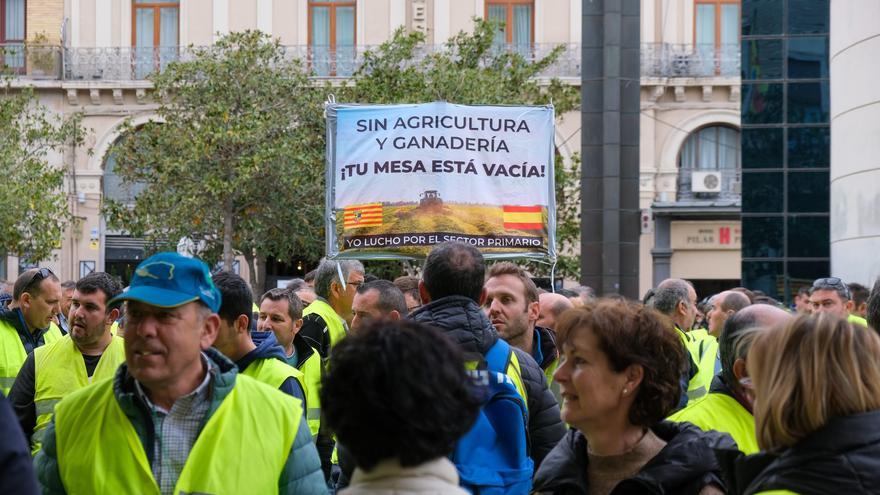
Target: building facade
<point>100,53</point>
<point>855,126</point>
<point>690,188</point>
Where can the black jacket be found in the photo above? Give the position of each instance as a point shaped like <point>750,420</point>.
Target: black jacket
<point>842,457</point>
<point>684,466</point>
<point>16,465</point>
<point>544,342</point>
<point>460,318</point>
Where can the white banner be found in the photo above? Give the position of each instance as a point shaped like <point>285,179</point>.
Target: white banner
<point>402,178</point>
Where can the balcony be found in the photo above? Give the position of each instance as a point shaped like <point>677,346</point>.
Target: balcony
<point>730,186</point>
<point>31,61</point>
<point>118,64</point>
<point>689,61</point>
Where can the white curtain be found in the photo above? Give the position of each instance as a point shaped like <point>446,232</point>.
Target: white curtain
<point>14,28</point>
<point>729,24</point>
<point>708,159</point>
<point>168,17</point>
<point>321,40</point>
<point>705,24</point>
<point>143,56</point>
<point>499,13</point>
<point>15,20</point>
<point>522,29</point>
<point>728,148</point>
<point>345,51</point>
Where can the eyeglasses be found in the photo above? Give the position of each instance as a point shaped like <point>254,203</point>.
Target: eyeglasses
<point>831,283</point>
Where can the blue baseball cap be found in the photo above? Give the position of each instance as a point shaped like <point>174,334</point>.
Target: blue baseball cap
<point>169,280</point>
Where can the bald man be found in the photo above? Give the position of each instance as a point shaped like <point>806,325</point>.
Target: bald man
<point>724,305</point>
<point>728,405</point>
<point>550,307</point>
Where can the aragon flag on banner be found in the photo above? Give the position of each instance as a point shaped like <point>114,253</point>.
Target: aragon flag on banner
<point>366,215</point>
<point>522,217</point>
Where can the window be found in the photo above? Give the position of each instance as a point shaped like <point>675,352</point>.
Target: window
<point>716,33</point>
<point>12,30</point>
<point>518,18</point>
<point>154,36</point>
<point>331,36</point>
<point>711,148</point>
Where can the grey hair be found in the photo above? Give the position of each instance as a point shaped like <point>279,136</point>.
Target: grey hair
<point>668,294</point>
<point>327,273</point>
<point>731,339</point>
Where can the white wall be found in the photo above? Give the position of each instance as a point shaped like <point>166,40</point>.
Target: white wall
<point>855,147</point>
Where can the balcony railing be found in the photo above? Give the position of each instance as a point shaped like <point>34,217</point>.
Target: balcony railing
<point>671,60</point>
<point>731,185</point>
<point>138,63</point>
<point>30,60</point>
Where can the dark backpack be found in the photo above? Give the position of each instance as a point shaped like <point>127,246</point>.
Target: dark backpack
<point>492,457</point>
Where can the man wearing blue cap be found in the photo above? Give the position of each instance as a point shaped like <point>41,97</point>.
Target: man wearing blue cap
<point>177,417</point>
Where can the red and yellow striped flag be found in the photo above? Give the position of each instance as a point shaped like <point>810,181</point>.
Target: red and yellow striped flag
<point>522,217</point>
<point>367,215</point>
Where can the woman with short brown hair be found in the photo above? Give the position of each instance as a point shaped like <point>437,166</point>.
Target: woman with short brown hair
<point>619,376</point>
<point>817,408</point>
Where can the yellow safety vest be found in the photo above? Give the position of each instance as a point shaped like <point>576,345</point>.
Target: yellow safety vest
<point>60,370</point>
<point>721,412</point>
<point>100,452</point>
<point>856,319</point>
<point>274,372</point>
<point>513,371</point>
<point>12,353</point>
<point>334,323</point>
<point>699,384</point>
<point>311,369</point>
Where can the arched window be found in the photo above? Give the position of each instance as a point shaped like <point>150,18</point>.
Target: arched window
<point>712,148</point>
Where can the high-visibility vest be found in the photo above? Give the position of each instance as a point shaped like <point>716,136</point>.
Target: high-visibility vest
<point>59,370</point>
<point>100,452</point>
<point>513,371</point>
<point>311,370</point>
<point>699,383</point>
<point>856,319</point>
<point>334,323</point>
<point>705,352</point>
<point>12,353</point>
<point>721,412</point>
<point>274,372</point>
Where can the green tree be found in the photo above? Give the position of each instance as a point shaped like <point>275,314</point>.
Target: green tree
<point>235,160</point>
<point>470,70</point>
<point>33,200</point>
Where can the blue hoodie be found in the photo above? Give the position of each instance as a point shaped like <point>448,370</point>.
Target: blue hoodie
<point>269,348</point>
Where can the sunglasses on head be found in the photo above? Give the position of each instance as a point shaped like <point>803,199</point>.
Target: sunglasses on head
<point>831,283</point>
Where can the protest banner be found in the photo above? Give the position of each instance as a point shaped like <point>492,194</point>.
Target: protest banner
<point>402,178</point>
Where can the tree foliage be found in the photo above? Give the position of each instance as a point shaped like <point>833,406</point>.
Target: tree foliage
<point>235,159</point>
<point>33,200</point>
<point>470,70</point>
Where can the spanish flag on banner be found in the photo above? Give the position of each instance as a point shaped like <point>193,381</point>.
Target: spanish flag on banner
<point>367,215</point>
<point>522,217</point>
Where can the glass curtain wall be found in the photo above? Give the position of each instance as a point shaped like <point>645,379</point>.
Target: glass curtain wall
<point>785,144</point>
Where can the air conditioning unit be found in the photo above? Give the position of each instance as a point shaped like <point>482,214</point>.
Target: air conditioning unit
<point>706,182</point>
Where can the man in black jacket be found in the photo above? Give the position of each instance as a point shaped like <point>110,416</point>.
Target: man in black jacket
<point>452,292</point>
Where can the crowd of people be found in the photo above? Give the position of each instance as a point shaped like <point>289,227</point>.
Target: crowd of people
<point>467,379</point>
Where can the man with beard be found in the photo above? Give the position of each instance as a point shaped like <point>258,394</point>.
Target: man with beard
<point>87,354</point>
<point>513,308</point>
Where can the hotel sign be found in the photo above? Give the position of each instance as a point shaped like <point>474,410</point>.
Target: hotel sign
<point>706,235</point>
